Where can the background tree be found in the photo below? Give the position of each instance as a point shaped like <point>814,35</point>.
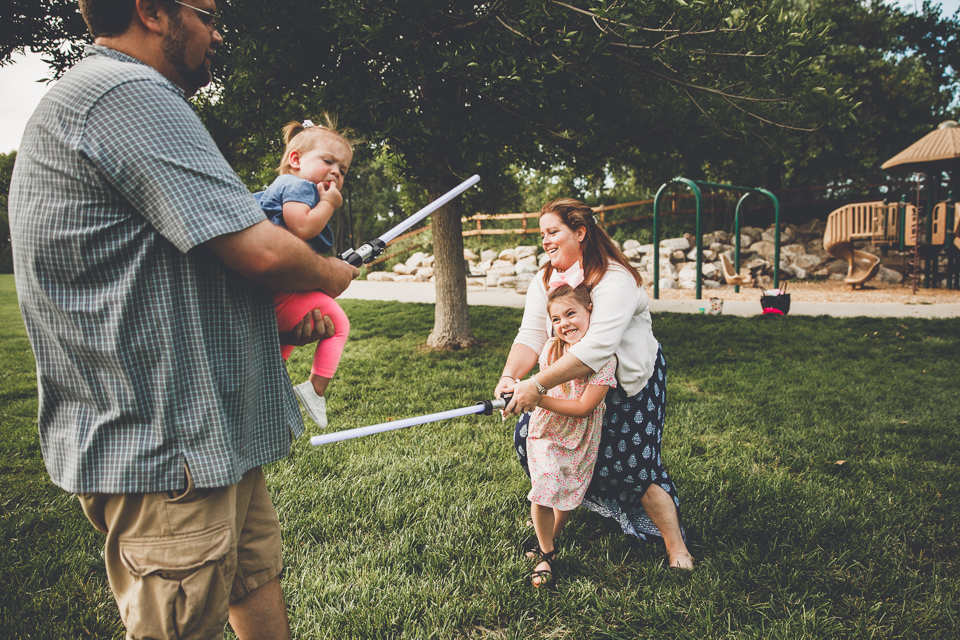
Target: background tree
<point>6,171</point>
<point>447,89</point>
<point>901,71</point>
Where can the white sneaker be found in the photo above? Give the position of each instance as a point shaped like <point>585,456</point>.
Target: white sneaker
<point>314,405</point>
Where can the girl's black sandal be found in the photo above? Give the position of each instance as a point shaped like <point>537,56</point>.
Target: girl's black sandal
<point>545,577</point>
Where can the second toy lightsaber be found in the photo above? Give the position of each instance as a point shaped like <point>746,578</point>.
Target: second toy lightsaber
<point>370,250</point>
<point>486,407</point>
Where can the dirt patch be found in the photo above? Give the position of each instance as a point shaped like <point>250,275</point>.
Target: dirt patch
<point>827,291</point>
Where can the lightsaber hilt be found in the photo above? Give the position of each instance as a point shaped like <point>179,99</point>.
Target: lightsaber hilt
<point>372,249</point>
<point>366,253</point>
<point>489,406</point>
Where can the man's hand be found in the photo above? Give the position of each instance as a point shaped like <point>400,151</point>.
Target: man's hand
<point>312,328</point>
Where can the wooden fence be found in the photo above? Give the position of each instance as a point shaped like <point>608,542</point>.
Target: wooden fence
<point>525,229</point>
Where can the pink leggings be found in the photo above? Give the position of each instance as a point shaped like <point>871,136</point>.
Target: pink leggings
<point>292,307</point>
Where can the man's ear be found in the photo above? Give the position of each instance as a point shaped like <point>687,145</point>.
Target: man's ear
<point>152,15</point>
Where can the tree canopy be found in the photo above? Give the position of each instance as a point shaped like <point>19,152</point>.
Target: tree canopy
<point>448,89</point>
<point>756,92</point>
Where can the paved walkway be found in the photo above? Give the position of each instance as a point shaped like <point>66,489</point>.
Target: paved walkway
<point>424,292</point>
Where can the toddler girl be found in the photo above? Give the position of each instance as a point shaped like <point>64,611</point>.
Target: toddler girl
<point>564,429</point>
<point>302,199</point>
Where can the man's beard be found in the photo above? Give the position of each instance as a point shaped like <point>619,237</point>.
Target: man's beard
<point>174,50</point>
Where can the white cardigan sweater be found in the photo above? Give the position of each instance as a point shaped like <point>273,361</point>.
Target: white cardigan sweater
<point>620,324</point>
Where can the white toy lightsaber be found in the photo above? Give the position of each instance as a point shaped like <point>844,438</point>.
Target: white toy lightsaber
<point>370,250</point>
<point>486,407</point>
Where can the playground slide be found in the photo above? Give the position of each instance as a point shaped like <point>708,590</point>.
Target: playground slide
<point>843,225</point>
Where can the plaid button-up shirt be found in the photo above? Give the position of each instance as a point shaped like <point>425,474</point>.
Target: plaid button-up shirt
<point>150,351</point>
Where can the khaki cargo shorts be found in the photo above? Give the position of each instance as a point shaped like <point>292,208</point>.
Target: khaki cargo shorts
<point>175,560</point>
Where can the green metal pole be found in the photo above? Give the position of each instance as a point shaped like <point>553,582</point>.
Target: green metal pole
<point>776,244</point>
<point>656,239</point>
<point>736,234</point>
<point>902,215</point>
<point>656,233</point>
<point>931,261</point>
<point>948,242</point>
<point>699,245</point>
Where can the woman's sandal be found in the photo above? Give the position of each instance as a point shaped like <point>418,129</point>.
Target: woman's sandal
<point>545,576</point>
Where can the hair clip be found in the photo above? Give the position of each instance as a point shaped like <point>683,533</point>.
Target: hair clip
<point>308,123</point>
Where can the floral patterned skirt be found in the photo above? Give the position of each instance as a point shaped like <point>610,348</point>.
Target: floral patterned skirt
<point>629,458</point>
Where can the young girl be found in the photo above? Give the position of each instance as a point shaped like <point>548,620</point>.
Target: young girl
<point>302,199</point>
<point>564,430</point>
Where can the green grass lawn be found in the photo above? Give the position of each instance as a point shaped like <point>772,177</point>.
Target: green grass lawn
<point>417,533</point>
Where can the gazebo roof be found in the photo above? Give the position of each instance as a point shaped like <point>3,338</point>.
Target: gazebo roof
<point>938,150</point>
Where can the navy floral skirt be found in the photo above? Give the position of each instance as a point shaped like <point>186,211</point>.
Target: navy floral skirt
<point>629,458</point>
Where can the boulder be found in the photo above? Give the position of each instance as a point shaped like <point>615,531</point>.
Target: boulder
<point>469,255</point>
<point>488,254</point>
<point>525,251</point>
<point>675,244</point>
<point>838,266</point>
<point>668,283</point>
<point>380,276</point>
<point>631,245</point>
<point>507,255</point>
<point>402,269</point>
<point>889,275</point>
<point>807,261</point>
<point>415,260</point>
<point>763,248</point>
<point>792,250</point>
<point>687,274</point>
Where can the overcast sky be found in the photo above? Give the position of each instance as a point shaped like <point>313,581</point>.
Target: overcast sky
<point>20,92</point>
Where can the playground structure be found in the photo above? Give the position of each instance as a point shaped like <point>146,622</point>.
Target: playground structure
<point>888,225</point>
<point>730,271</point>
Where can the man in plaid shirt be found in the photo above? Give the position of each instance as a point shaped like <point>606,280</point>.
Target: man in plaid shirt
<point>144,270</point>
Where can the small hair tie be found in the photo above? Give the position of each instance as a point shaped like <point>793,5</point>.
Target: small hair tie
<point>308,123</point>
<point>572,277</point>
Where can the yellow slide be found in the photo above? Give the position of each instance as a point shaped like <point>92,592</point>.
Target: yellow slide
<point>843,225</point>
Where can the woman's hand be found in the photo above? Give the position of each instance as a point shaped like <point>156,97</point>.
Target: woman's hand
<point>504,385</point>
<point>525,398</point>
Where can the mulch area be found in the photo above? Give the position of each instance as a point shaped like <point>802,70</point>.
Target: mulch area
<point>874,292</point>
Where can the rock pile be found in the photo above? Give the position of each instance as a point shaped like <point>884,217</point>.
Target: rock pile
<point>802,257</point>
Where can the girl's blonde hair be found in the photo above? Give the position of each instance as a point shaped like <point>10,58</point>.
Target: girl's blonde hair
<point>598,249</point>
<point>305,136</point>
<point>581,295</point>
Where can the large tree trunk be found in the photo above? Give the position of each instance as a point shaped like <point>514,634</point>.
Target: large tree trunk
<point>451,324</point>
